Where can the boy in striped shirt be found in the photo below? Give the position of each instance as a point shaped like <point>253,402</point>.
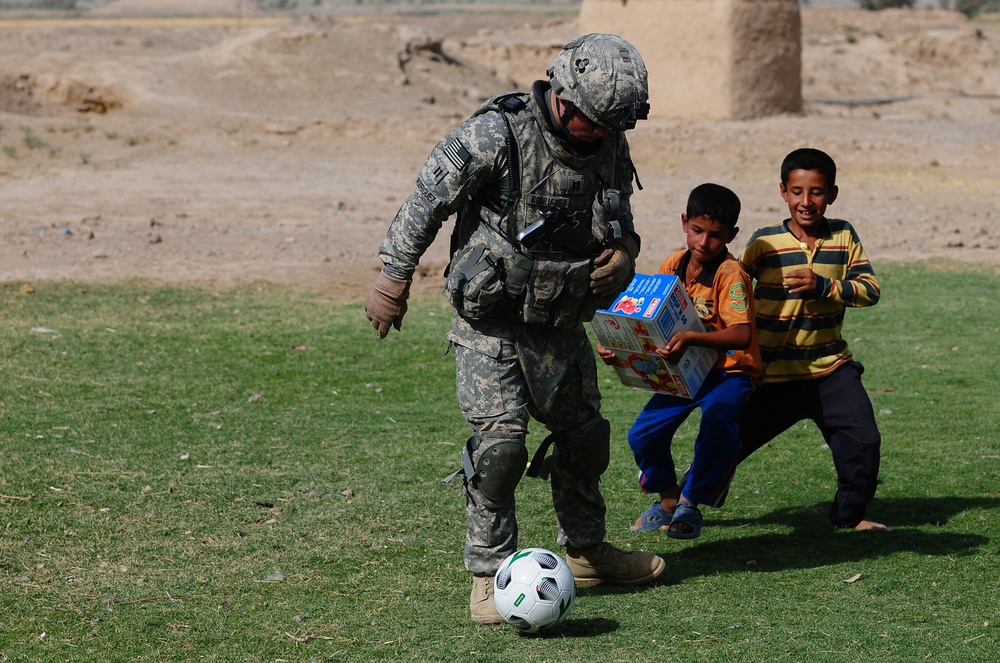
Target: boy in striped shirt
<point>808,270</point>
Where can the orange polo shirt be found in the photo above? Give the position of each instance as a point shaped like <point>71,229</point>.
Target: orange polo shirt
<point>721,296</point>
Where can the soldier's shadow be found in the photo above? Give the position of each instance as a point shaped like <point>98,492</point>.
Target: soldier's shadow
<point>917,525</point>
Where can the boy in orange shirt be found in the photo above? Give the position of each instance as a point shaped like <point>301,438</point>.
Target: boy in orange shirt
<point>720,291</point>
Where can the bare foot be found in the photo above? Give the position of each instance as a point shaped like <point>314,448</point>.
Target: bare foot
<point>637,526</point>
<point>678,528</point>
<point>870,526</point>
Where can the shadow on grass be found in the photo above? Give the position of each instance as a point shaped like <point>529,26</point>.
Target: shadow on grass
<point>811,543</point>
<point>894,512</point>
<point>577,628</point>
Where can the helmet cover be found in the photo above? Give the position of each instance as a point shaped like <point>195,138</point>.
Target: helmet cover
<point>604,76</point>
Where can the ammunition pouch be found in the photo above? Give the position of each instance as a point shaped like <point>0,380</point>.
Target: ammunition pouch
<point>475,282</point>
<point>494,280</point>
<point>559,294</point>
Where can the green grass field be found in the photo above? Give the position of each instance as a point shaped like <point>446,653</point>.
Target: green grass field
<point>250,475</point>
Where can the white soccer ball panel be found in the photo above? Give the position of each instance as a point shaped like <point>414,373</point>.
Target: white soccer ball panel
<point>534,589</point>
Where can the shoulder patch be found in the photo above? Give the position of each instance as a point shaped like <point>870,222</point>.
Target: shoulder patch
<point>457,153</point>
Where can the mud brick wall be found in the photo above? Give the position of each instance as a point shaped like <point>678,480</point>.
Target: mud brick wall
<point>711,59</point>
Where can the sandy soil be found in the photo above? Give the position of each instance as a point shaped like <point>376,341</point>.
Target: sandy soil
<point>225,151</point>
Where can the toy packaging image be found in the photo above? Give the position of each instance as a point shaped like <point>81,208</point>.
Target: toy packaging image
<point>651,310</point>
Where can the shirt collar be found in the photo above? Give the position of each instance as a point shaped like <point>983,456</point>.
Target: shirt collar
<point>708,270</point>
<point>824,229</point>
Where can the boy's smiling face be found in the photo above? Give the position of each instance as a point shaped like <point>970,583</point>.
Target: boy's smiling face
<point>807,196</point>
<point>706,238</point>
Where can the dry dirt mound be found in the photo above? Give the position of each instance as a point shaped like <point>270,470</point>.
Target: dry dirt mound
<point>194,150</point>
<point>354,72</point>
<point>16,95</point>
<point>853,57</point>
<point>173,8</point>
<point>335,69</point>
<point>364,67</point>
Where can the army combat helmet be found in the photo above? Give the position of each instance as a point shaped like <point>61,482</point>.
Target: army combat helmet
<point>604,77</point>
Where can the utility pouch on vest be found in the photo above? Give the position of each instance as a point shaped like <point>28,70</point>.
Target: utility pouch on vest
<point>475,283</point>
<point>547,281</point>
<point>558,294</point>
<point>519,270</point>
<point>577,303</point>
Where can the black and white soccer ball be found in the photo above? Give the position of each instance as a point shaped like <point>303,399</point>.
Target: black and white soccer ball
<point>534,590</point>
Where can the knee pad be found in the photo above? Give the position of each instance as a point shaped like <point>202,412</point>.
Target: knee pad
<point>588,447</point>
<point>494,465</point>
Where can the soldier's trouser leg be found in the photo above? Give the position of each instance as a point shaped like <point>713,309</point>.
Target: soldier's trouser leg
<point>561,377</point>
<point>491,393</point>
<point>581,458</point>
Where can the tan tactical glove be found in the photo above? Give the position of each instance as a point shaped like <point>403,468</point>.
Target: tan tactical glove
<point>385,305</point>
<point>614,267</point>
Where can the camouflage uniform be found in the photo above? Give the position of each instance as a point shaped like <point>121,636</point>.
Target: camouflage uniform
<point>520,345</point>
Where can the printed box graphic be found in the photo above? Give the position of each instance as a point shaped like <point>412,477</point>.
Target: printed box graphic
<point>652,309</point>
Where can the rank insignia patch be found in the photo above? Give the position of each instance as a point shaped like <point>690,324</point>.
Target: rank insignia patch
<point>439,173</point>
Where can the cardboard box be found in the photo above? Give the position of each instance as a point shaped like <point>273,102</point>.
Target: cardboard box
<point>651,310</point>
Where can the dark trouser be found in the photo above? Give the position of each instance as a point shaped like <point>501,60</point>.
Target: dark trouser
<point>840,406</point>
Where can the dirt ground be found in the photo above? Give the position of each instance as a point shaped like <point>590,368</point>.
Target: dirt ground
<point>230,150</point>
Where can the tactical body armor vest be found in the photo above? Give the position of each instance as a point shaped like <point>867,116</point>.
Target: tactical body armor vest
<point>492,274</point>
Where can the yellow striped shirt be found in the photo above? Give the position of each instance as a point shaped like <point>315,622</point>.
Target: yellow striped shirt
<point>800,335</point>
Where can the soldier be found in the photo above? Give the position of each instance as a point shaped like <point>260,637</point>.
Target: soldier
<point>541,183</point>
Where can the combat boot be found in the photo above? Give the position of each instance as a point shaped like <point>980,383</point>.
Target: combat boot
<point>481,605</point>
<point>605,563</point>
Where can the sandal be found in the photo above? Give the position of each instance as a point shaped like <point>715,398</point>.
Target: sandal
<point>686,514</point>
<point>653,518</point>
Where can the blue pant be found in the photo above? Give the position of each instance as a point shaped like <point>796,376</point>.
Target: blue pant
<point>720,398</point>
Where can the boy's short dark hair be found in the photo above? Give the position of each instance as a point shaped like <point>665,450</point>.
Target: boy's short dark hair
<point>809,158</point>
<point>715,202</point>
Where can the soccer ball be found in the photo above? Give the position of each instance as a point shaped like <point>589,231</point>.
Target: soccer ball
<point>534,589</point>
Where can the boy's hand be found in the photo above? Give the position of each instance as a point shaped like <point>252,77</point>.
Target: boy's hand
<point>606,354</point>
<point>675,347</point>
<point>799,281</point>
